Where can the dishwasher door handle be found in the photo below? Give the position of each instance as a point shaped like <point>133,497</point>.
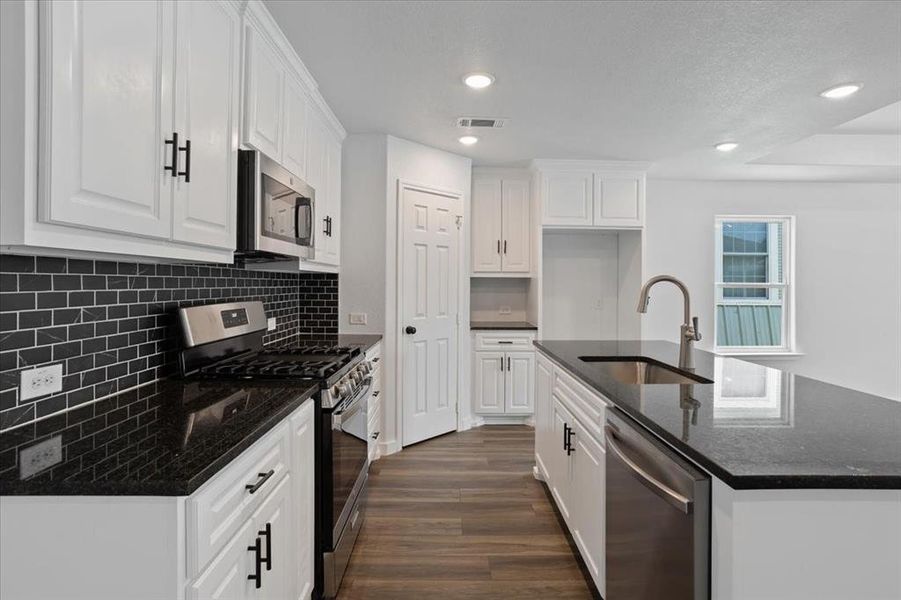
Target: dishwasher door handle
<point>662,490</point>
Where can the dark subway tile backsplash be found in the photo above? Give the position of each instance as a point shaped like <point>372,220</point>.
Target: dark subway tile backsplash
<point>112,324</point>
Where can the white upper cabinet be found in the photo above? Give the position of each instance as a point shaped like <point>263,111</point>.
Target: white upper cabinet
<point>501,225</point>
<point>590,194</point>
<point>567,198</point>
<point>486,225</point>
<point>207,91</point>
<point>332,254</point>
<point>294,154</point>
<point>516,256</point>
<point>109,70</point>
<point>264,84</point>
<point>618,200</point>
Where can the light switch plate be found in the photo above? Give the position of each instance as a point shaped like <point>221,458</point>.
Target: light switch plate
<point>41,381</point>
<point>358,318</point>
<point>40,456</point>
<point>505,310</point>
<point>271,324</point>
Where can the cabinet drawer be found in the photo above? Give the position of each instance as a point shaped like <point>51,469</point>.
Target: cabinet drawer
<point>374,353</point>
<point>375,413</point>
<point>586,405</point>
<point>219,508</point>
<point>505,341</point>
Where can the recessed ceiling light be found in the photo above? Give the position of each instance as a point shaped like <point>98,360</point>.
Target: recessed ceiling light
<point>468,140</point>
<point>841,91</point>
<point>726,146</point>
<point>478,81</point>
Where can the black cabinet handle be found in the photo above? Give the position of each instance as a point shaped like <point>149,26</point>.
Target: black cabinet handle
<point>504,342</point>
<point>268,533</point>
<point>508,363</point>
<point>187,150</point>
<point>376,359</point>
<point>410,330</point>
<point>173,168</point>
<point>565,436</point>
<point>569,442</point>
<point>264,477</point>
<point>376,393</point>
<point>376,435</point>
<point>498,246</point>
<point>257,575</point>
<point>325,226</point>
<point>505,246</point>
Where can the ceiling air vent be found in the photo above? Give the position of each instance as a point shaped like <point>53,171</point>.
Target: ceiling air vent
<point>471,122</point>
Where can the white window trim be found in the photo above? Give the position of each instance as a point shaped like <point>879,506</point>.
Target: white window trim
<point>788,349</point>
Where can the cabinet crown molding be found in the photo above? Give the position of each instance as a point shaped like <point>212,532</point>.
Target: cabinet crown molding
<point>542,164</point>
<point>257,13</point>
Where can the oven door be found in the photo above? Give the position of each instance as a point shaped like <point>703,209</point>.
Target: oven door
<point>350,455</point>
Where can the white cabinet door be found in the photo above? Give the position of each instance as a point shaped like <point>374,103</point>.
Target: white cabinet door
<point>486,226</point>
<point>559,464</point>
<point>567,198</point>
<point>543,412</point>
<point>489,382</point>
<point>207,92</point>
<point>294,151</point>
<point>264,100</point>
<point>302,474</point>
<point>317,177</point>
<point>618,201</point>
<point>520,383</point>
<point>517,237</point>
<point>273,528</point>
<point>108,108</point>
<point>332,245</point>
<point>226,577</point>
<point>588,485</point>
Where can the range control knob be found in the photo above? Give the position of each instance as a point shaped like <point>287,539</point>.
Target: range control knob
<point>366,367</point>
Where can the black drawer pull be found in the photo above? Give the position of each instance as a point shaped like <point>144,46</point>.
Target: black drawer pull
<point>504,342</point>
<point>376,359</point>
<point>570,449</point>
<point>264,477</point>
<point>376,435</point>
<point>257,576</point>
<point>376,393</point>
<point>268,533</point>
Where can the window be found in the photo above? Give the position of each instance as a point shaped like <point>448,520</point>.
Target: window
<point>754,302</point>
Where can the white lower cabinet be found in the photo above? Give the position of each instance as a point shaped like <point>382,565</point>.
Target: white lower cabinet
<point>258,510</point>
<point>570,456</point>
<point>374,429</point>
<point>503,381</point>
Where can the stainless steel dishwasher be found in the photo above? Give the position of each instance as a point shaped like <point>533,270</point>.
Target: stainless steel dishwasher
<point>657,517</point>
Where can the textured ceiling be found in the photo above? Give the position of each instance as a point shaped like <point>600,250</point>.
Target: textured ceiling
<point>648,81</point>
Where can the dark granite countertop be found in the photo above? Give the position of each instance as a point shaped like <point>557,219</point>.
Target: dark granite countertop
<point>511,325</point>
<point>161,439</point>
<point>364,341</point>
<point>756,428</point>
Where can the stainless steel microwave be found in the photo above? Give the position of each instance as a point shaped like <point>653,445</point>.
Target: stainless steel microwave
<point>276,210</point>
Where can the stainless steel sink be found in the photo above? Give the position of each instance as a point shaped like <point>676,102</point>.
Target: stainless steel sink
<point>641,371</point>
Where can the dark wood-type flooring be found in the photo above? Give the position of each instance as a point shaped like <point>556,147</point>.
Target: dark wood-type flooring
<point>460,517</point>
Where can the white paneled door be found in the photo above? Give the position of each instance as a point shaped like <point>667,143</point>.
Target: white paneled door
<point>428,315</point>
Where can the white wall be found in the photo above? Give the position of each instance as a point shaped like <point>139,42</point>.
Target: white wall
<point>848,261</point>
<point>369,246</point>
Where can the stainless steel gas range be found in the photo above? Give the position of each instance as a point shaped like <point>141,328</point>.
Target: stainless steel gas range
<point>225,341</point>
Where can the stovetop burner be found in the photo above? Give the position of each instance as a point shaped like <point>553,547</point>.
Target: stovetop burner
<point>317,362</point>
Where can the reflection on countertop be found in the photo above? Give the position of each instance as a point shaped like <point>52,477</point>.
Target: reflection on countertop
<point>754,426</point>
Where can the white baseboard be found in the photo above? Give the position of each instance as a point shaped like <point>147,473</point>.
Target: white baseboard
<point>389,447</point>
<point>536,473</point>
<point>503,420</point>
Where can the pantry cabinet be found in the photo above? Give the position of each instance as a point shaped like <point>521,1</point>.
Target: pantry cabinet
<point>501,231</point>
<point>503,373</point>
<point>570,454</point>
<point>591,194</point>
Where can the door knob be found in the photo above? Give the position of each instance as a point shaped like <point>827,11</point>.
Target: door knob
<point>410,329</point>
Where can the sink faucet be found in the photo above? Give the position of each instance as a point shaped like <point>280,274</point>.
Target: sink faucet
<point>689,330</point>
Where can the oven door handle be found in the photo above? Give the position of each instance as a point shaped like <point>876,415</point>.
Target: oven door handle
<point>350,407</point>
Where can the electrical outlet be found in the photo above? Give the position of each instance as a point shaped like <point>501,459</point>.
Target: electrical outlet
<point>41,381</point>
<point>505,310</point>
<point>271,324</point>
<point>358,318</point>
<point>40,456</point>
